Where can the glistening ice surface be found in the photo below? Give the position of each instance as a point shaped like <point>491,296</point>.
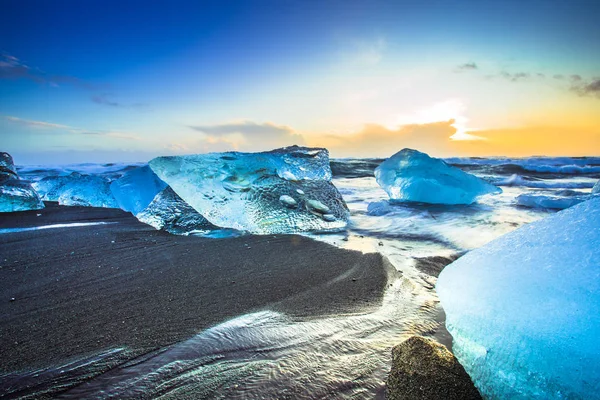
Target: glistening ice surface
<point>410,175</point>
<point>523,309</point>
<point>280,191</point>
<point>136,189</point>
<point>77,189</point>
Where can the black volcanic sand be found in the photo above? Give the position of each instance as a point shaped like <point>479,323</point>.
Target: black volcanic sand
<point>67,293</point>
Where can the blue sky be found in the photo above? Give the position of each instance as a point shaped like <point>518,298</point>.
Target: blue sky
<point>123,81</point>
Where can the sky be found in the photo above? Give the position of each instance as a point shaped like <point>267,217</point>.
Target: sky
<point>107,81</point>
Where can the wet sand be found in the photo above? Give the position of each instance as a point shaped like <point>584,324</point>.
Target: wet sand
<point>73,292</point>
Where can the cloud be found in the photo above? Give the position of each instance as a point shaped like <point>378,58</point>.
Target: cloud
<point>37,124</point>
<point>591,88</point>
<point>69,129</point>
<point>246,135</point>
<point>104,99</point>
<point>515,77</point>
<point>13,68</point>
<point>470,66</point>
<point>375,140</point>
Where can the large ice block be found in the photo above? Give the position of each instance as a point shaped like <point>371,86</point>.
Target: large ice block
<point>77,190</point>
<point>523,309</point>
<point>169,212</point>
<point>15,194</point>
<point>410,175</point>
<point>136,189</point>
<point>279,191</point>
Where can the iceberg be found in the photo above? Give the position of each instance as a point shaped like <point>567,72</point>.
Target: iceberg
<point>280,191</point>
<point>170,213</point>
<point>15,194</point>
<point>77,189</point>
<point>523,309</point>
<point>410,175</point>
<point>136,189</point>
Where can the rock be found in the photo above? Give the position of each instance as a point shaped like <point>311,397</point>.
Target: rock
<point>424,369</point>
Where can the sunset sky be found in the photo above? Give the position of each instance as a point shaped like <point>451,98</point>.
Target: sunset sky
<point>103,81</point>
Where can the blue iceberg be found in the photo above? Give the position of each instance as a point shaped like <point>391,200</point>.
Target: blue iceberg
<point>523,309</point>
<point>136,189</point>
<point>410,175</point>
<point>15,194</point>
<point>279,191</point>
<point>77,189</point>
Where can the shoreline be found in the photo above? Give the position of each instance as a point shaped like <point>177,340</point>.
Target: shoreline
<point>82,290</point>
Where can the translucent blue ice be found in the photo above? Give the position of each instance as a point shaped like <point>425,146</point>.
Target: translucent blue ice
<point>77,190</point>
<point>523,309</point>
<point>136,189</point>
<point>279,191</point>
<point>557,202</point>
<point>15,194</point>
<point>410,175</point>
<point>169,213</point>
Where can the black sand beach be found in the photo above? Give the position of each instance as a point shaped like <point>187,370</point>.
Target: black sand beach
<point>66,293</point>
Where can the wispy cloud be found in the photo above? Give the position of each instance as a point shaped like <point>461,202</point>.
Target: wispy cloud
<point>38,124</point>
<point>105,99</point>
<point>470,66</point>
<point>248,135</point>
<point>515,77</point>
<point>69,129</point>
<point>591,88</point>
<point>13,68</point>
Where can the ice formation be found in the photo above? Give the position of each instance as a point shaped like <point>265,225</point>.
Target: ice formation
<point>523,309</point>
<point>558,202</point>
<point>169,212</point>
<point>136,189</point>
<point>15,194</point>
<point>77,190</point>
<point>279,191</point>
<point>410,175</point>
<point>596,188</point>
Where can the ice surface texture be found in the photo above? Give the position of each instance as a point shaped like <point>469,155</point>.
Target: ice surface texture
<point>77,190</point>
<point>410,175</point>
<point>15,194</point>
<point>168,212</point>
<point>523,309</point>
<point>558,201</point>
<point>279,191</point>
<point>596,188</point>
<point>136,189</point>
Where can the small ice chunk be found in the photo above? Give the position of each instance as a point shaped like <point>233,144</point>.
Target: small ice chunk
<point>540,200</point>
<point>300,191</point>
<point>410,175</point>
<point>523,309</point>
<point>288,200</point>
<point>596,188</point>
